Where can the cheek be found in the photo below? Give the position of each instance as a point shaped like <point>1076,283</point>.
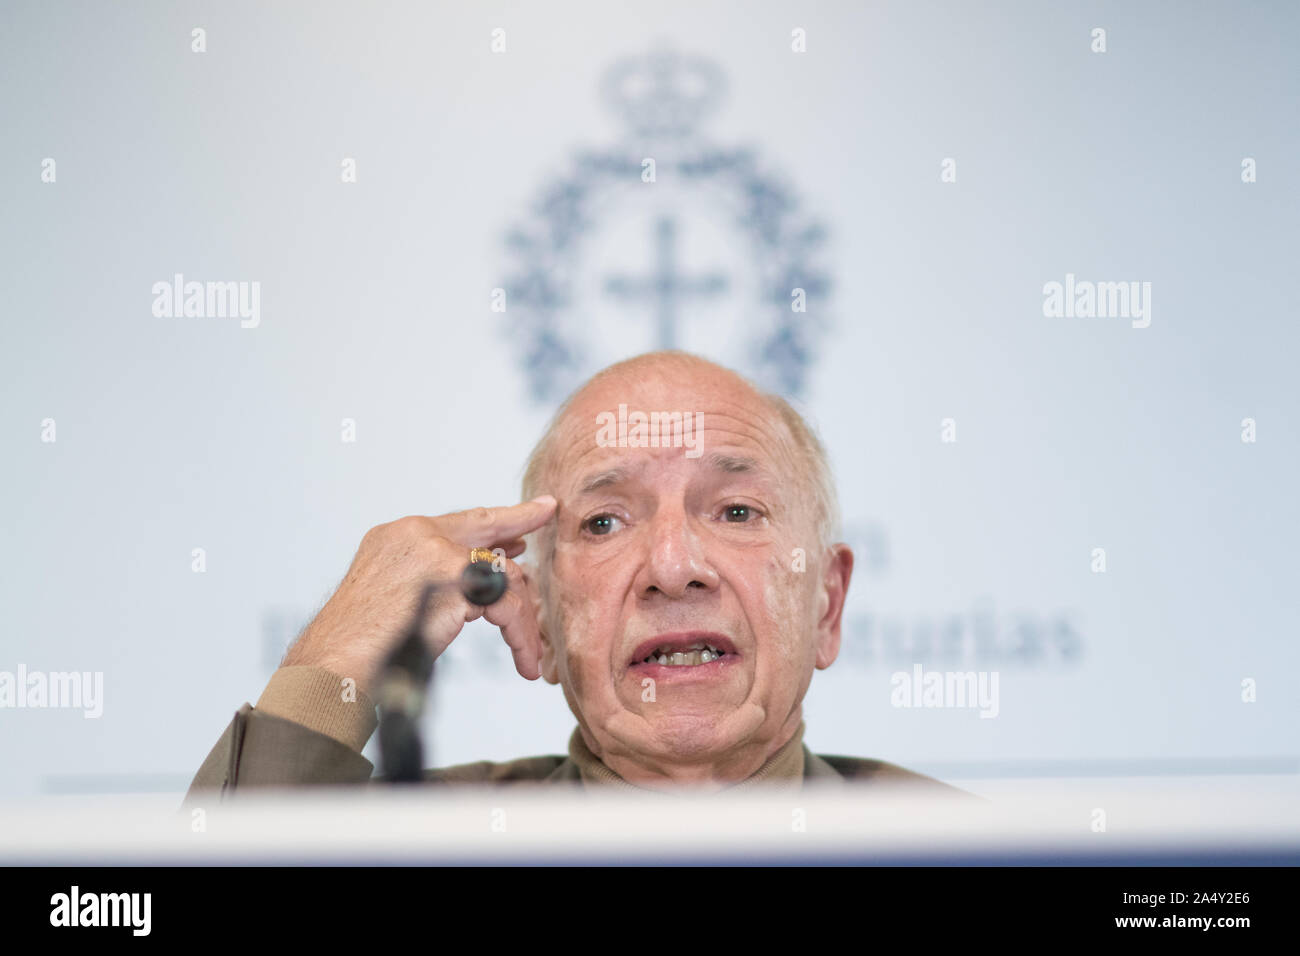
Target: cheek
<point>589,600</point>
<point>582,636</point>
<point>779,607</point>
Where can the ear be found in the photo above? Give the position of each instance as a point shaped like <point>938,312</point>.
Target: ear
<point>550,671</point>
<point>833,590</point>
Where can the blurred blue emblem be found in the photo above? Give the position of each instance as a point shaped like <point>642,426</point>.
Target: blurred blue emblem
<point>665,241</point>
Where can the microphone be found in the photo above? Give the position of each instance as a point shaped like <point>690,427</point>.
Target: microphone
<point>408,670</point>
<point>482,584</point>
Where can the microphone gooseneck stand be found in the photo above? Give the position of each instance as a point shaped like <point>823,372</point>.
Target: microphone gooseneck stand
<point>407,673</point>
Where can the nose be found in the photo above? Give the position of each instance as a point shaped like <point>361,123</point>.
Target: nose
<point>675,563</point>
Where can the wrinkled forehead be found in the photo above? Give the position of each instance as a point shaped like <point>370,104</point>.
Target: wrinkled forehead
<point>710,424</point>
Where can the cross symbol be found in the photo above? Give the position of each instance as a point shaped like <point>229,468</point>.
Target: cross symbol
<point>665,287</point>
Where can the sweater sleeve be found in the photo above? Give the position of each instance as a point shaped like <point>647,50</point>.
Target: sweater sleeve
<point>306,729</point>
<point>320,700</point>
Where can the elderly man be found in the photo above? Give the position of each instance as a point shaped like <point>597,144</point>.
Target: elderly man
<point>685,585</point>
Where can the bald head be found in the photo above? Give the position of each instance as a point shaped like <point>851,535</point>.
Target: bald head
<point>672,376</point>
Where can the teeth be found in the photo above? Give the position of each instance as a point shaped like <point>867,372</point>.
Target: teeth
<point>697,654</point>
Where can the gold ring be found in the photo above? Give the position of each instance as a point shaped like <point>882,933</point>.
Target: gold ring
<point>481,554</point>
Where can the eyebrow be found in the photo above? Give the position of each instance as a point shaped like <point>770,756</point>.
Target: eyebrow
<point>602,480</point>
<point>731,464</point>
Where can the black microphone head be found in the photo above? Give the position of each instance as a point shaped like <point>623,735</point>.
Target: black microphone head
<point>481,584</point>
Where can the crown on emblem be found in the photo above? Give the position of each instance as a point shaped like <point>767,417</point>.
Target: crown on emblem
<point>664,94</point>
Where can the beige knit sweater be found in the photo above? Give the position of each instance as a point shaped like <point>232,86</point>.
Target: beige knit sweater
<point>314,698</point>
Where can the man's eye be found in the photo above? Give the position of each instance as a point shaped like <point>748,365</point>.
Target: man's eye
<point>738,513</point>
<point>600,524</point>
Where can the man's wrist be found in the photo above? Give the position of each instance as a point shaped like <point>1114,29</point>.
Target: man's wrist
<point>321,699</point>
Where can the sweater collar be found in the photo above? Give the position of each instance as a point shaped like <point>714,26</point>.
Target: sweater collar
<point>784,769</point>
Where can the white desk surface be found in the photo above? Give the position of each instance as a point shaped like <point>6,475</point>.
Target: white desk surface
<point>1184,819</point>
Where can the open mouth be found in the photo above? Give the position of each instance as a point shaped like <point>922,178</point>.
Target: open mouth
<point>684,650</point>
<point>692,656</point>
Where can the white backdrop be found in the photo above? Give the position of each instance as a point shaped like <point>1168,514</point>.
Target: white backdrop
<point>1072,433</point>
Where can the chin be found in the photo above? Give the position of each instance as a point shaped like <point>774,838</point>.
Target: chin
<point>686,735</point>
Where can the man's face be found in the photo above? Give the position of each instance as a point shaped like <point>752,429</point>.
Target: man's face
<point>657,552</point>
